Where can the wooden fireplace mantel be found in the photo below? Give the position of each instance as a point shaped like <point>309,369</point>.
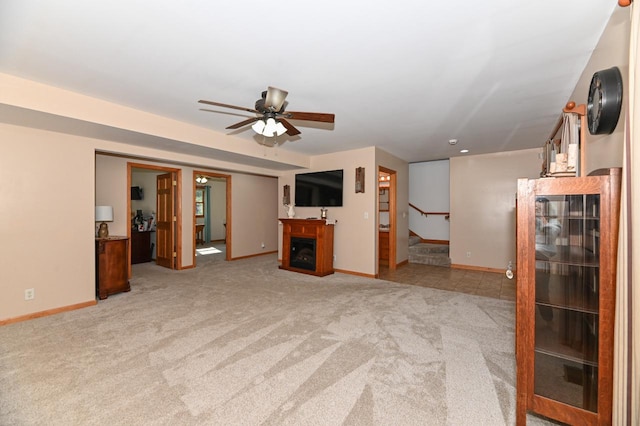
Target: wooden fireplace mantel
<point>317,229</point>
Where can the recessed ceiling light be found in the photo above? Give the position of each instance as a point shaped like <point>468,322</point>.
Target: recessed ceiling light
<point>453,141</point>
<point>464,151</point>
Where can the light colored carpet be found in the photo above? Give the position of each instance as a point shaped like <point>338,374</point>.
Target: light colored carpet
<point>246,343</point>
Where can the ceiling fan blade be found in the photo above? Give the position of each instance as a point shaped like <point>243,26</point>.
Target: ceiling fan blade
<point>310,116</point>
<point>243,123</point>
<point>202,101</point>
<point>275,98</point>
<point>291,131</point>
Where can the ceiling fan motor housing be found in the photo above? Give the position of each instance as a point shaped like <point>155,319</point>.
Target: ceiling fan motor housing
<point>260,104</point>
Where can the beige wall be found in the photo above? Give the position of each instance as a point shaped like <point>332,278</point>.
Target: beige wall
<point>483,187</point>
<point>429,191</point>
<point>47,227</point>
<point>483,194</point>
<point>70,179</point>
<point>254,217</point>
<point>111,190</point>
<point>612,50</point>
<point>250,194</point>
<point>147,180</point>
<point>355,234</point>
<point>85,110</point>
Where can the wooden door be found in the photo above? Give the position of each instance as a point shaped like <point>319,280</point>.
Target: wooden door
<point>165,226</point>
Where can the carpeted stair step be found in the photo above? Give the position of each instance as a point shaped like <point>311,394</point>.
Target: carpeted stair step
<point>430,254</point>
<point>413,240</point>
<point>426,248</point>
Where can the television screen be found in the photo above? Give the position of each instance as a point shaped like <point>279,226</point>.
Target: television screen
<point>136,193</point>
<point>319,189</point>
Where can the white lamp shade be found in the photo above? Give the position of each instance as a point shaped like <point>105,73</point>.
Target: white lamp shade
<point>258,127</point>
<point>280,129</point>
<point>270,128</point>
<point>104,214</point>
<point>275,98</point>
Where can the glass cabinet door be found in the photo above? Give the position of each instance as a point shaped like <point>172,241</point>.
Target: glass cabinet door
<point>567,243</point>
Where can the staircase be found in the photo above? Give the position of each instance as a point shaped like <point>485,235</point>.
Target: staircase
<point>428,254</point>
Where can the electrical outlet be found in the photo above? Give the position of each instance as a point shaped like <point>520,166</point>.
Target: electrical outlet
<point>29,294</point>
<point>468,254</point>
<point>334,257</point>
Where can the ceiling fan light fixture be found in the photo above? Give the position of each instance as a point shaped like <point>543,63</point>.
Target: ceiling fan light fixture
<point>280,129</point>
<point>275,98</point>
<point>270,128</point>
<point>258,127</point>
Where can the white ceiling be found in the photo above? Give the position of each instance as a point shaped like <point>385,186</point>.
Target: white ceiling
<point>406,76</point>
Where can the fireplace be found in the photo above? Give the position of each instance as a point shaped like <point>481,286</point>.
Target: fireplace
<point>307,246</point>
<point>303,253</point>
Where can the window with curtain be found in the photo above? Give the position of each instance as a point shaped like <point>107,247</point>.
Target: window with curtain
<point>199,201</point>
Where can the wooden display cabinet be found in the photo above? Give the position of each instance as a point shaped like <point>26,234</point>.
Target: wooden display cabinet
<point>112,270</point>
<point>566,262</point>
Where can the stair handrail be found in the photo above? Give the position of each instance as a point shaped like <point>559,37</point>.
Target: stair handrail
<point>425,214</point>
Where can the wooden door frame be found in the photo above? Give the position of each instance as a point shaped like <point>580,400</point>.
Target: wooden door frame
<point>177,206</point>
<point>228,233</point>
<point>393,208</point>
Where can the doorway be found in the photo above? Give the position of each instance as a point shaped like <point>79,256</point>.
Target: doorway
<point>212,214</point>
<point>387,208</point>
<point>157,214</point>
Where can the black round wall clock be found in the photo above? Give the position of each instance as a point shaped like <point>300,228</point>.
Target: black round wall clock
<point>605,101</point>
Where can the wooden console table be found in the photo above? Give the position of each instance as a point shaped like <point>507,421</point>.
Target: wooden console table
<point>312,233</point>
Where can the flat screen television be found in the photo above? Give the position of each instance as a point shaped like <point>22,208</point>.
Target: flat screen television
<point>136,193</point>
<point>319,189</point>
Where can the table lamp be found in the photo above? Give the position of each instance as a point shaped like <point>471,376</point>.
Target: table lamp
<point>104,214</point>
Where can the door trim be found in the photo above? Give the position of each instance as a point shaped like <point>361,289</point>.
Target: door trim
<point>228,233</point>
<point>393,227</point>
<point>177,205</point>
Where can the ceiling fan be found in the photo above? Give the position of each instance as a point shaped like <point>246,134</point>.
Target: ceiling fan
<point>271,118</point>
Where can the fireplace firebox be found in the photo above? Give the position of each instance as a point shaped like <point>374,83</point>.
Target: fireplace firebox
<point>303,253</point>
